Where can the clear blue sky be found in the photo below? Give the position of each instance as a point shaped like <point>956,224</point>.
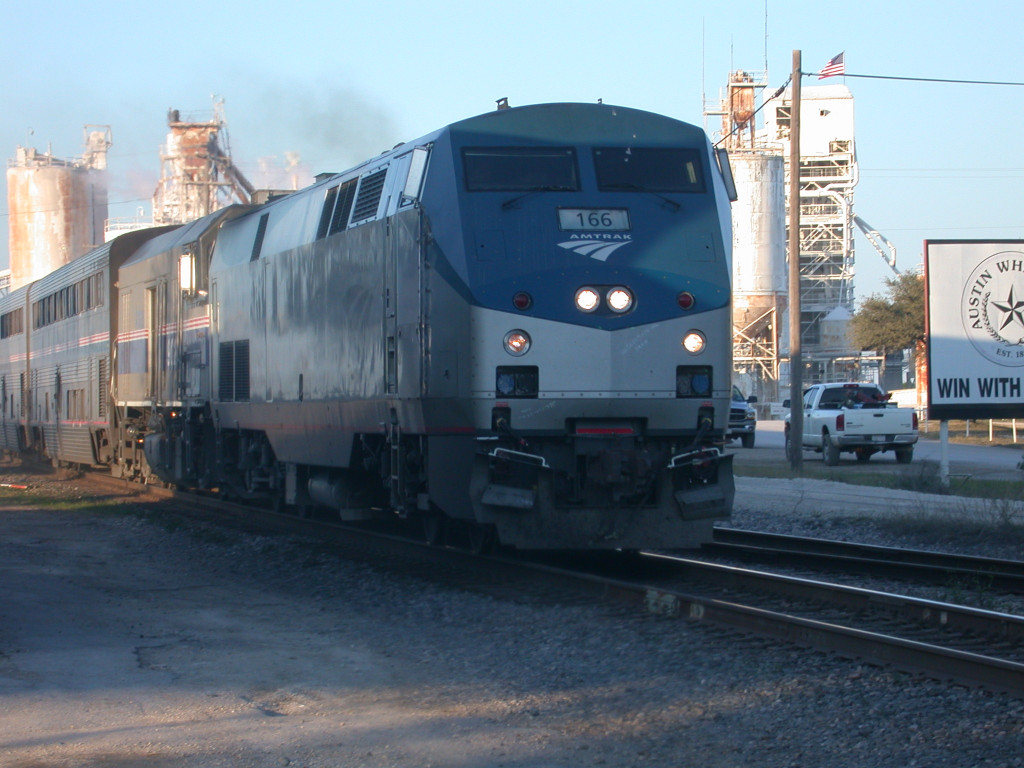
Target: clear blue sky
<point>337,82</point>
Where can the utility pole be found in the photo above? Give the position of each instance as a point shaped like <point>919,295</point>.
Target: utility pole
<point>796,364</point>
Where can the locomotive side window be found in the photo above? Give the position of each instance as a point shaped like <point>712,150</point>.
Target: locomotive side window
<point>343,208</point>
<point>520,169</point>
<point>648,169</point>
<point>261,231</point>
<point>325,214</point>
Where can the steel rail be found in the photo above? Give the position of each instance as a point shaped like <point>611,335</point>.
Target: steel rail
<point>937,567</point>
<point>932,613</point>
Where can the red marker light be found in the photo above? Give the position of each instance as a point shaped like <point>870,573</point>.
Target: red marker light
<point>522,301</point>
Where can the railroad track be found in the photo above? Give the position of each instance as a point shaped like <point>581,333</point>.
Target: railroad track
<point>941,640</point>
<point>848,557</point>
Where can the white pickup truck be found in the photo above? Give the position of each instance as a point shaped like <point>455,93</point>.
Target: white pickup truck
<point>854,417</point>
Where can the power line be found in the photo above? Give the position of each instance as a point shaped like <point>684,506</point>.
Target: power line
<point>83,207</point>
<point>925,79</point>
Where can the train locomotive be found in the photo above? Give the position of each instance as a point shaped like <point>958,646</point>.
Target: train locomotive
<point>516,328</point>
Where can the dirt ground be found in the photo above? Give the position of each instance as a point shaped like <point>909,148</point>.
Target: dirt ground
<point>114,656</point>
<point>134,640</point>
<point>130,641</point>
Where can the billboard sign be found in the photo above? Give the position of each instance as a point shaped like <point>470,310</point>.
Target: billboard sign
<point>974,294</point>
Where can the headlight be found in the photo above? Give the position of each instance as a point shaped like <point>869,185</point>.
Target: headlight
<point>620,300</point>
<point>693,342</point>
<point>517,343</point>
<point>587,299</point>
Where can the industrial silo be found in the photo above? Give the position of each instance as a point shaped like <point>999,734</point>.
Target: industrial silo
<point>760,275</point>
<point>56,207</point>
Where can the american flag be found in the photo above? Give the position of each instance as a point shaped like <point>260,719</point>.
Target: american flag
<point>836,66</point>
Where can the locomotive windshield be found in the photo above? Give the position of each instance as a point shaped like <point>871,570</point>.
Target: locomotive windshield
<point>520,169</point>
<point>648,169</point>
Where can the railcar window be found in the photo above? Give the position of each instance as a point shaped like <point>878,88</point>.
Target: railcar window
<point>11,323</point>
<point>68,302</point>
<point>520,169</point>
<point>648,169</point>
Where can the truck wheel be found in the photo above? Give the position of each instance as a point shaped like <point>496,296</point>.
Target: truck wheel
<point>789,448</point>
<point>747,440</point>
<point>904,455</point>
<point>829,450</point>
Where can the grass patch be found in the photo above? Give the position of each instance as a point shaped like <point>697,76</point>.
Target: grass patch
<point>920,477</point>
<point>30,498</point>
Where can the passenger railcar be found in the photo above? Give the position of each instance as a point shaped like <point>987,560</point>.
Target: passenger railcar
<point>162,382</point>
<point>14,370</point>
<point>517,326</point>
<point>60,346</point>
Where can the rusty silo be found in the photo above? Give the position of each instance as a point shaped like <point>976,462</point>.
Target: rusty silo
<point>56,207</point>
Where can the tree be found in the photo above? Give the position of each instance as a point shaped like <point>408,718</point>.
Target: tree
<point>888,324</point>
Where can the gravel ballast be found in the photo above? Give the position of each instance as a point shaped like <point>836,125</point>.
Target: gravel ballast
<point>128,641</point>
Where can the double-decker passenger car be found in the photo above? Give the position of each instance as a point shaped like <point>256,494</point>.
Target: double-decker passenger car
<point>14,371</point>
<point>57,339</point>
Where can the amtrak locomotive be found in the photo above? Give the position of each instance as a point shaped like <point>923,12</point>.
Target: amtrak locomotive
<point>516,327</point>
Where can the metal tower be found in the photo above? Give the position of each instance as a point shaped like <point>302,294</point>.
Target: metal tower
<point>197,176</point>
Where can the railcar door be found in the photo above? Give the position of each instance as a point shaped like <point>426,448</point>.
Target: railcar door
<point>57,393</point>
<point>7,413</point>
<point>405,315</point>
<point>156,314</point>
<point>390,319</point>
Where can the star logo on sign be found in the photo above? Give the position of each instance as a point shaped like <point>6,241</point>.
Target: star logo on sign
<point>1012,309</point>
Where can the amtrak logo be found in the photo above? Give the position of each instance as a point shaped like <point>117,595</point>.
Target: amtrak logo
<point>598,247</point>
<point>992,308</point>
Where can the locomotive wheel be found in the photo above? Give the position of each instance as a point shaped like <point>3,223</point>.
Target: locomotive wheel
<point>483,539</point>
<point>435,529</point>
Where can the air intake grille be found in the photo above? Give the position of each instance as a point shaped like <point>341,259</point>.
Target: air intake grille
<point>101,390</point>
<point>233,384</point>
<point>370,189</point>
